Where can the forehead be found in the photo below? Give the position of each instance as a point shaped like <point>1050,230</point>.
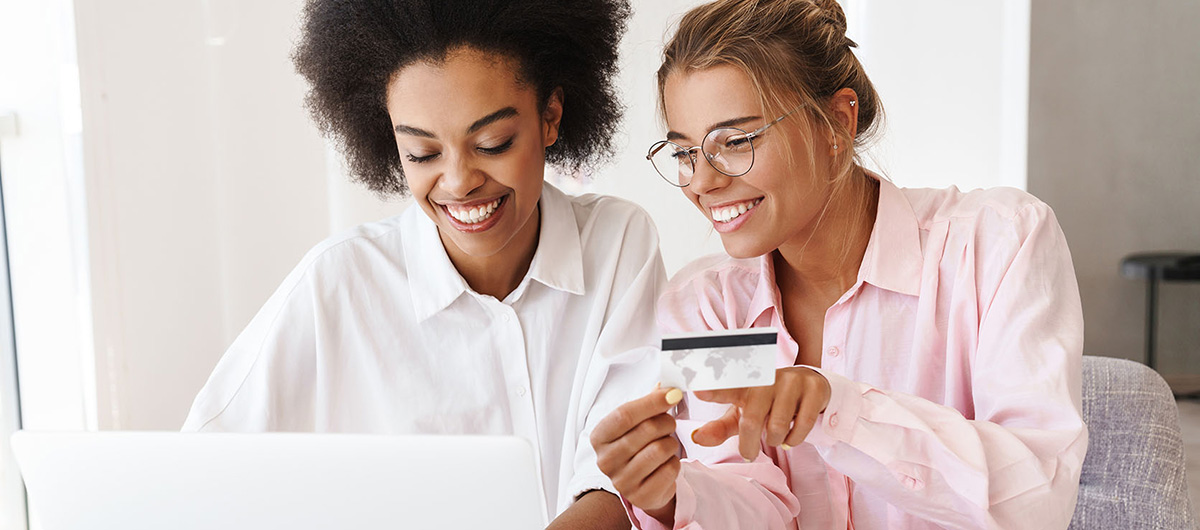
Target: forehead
<point>694,100</point>
<point>449,95</point>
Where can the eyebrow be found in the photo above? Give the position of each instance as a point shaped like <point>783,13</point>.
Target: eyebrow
<point>504,113</point>
<point>672,135</point>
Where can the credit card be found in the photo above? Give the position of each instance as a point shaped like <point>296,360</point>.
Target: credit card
<point>713,360</point>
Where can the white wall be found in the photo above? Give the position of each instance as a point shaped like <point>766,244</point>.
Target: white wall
<point>206,181</point>
<point>43,195</point>
<point>206,184</point>
<point>1115,150</point>
<point>953,77</point>
<point>150,175</point>
<point>40,164</point>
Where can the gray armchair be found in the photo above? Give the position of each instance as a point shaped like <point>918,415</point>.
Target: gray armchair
<point>1134,473</point>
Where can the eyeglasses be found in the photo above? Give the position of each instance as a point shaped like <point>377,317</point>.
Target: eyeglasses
<point>728,150</point>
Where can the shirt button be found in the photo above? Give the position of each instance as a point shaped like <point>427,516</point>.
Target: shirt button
<point>834,352</point>
<point>833,420</point>
<point>506,318</point>
<point>521,391</point>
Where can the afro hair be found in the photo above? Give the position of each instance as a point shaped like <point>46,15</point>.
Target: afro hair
<point>349,50</point>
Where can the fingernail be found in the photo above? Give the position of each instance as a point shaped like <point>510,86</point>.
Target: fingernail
<point>674,396</point>
<point>658,385</point>
<point>694,437</point>
<point>786,447</point>
<point>746,460</point>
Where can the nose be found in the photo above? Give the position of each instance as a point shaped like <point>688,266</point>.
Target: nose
<point>706,179</point>
<point>461,178</point>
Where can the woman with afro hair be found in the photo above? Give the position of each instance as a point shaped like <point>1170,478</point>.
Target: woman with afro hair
<point>496,304</point>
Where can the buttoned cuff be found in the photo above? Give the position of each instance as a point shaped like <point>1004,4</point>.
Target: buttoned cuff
<point>838,422</point>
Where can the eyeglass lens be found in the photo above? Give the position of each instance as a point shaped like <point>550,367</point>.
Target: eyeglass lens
<point>729,150</point>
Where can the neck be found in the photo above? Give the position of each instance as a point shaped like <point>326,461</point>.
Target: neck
<point>823,259</point>
<point>499,274</point>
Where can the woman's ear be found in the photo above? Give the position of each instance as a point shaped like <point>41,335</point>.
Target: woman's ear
<point>552,117</point>
<point>843,107</point>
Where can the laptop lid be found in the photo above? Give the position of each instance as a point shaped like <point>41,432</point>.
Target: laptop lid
<point>185,481</point>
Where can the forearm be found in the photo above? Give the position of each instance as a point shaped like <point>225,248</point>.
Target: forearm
<point>934,463</point>
<point>595,510</point>
<point>665,514</point>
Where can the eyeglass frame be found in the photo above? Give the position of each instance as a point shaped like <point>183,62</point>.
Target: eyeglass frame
<point>691,151</point>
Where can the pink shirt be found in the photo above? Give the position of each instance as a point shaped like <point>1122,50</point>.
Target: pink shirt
<point>954,362</point>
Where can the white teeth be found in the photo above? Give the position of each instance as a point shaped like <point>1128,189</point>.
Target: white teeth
<point>729,213</point>
<point>474,215</point>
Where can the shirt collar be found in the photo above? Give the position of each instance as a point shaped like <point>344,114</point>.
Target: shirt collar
<point>558,262</point>
<point>893,258</point>
<point>435,283</point>
<point>766,294</point>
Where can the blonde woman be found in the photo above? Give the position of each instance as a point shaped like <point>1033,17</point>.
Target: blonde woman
<point>931,340</point>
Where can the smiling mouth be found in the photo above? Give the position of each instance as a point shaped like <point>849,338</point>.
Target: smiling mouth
<point>475,214</point>
<point>728,213</point>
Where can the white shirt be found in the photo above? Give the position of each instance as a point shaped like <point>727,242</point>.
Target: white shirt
<point>376,332</point>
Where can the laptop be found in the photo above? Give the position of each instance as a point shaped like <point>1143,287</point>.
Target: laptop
<point>192,481</point>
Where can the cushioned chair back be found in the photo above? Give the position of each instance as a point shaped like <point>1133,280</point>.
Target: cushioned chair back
<point>1134,473</point>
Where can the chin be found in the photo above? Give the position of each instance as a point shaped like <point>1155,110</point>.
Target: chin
<point>744,249</point>
<point>476,246</point>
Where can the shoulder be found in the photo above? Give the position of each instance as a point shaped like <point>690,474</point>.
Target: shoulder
<point>716,270</point>
<point>591,209</point>
<point>988,231</point>
<point>994,211</point>
<point>364,246</point>
<point>936,205</point>
<point>606,223</point>
<point>712,292</point>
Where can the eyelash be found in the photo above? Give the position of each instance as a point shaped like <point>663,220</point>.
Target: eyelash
<point>485,150</point>
<point>498,149</point>
<point>421,159</point>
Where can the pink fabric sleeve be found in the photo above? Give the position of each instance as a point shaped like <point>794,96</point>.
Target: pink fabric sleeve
<point>1016,464</point>
<point>717,490</point>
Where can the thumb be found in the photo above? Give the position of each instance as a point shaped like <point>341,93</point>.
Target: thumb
<point>733,396</point>
<point>715,432</point>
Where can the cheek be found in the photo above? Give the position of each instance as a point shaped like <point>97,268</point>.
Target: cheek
<point>694,198</point>
<point>525,169</point>
<point>775,178</point>
<point>412,175</point>
<point>417,185</point>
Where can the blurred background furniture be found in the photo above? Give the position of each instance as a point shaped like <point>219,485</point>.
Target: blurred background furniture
<point>1155,267</point>
<point>1134,475</point>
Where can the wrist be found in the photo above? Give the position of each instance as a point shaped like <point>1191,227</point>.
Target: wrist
<point>665,514</point>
